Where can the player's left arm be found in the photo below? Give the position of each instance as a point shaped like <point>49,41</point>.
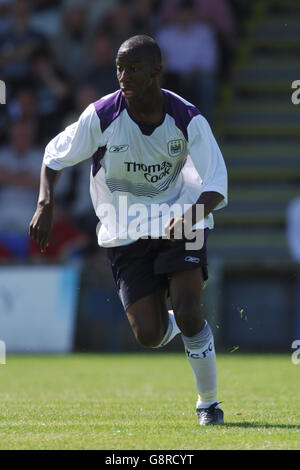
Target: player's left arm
<point>209,163</point>
<point>210,200</point>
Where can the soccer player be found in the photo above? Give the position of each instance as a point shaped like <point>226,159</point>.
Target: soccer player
<point>153,147</point>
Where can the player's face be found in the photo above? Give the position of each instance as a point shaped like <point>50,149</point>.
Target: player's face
<point>135,75</point>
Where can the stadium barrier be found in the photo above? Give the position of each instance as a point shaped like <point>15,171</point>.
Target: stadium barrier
<point>38,307</point>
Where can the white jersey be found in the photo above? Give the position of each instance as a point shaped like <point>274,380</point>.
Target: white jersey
<point>141,166</point>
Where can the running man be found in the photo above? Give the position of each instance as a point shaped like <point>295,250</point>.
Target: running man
<point>149,146</point>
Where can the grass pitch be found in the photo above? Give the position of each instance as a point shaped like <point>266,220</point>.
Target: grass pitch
<point>146,401</point>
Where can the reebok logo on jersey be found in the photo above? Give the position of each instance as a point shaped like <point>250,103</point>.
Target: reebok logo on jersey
<point>119,148</point>
<point>192,259</point>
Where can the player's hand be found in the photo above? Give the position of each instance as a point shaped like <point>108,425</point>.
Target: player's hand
<point>41,225</point>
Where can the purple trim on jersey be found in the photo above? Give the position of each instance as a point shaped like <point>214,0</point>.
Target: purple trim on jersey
<point>108,109</point>
<point>97,157</point>
<point>181,112</point>
<point>147,129</point>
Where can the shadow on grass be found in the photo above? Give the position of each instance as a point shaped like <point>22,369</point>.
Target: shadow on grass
<point>248,424</point>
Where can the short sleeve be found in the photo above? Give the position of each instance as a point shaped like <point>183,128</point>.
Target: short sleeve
<point>207,158</point>
<point>76,143</point>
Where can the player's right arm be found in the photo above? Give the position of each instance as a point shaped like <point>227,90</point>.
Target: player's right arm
<point>76,143</point>
<point>41,224</point>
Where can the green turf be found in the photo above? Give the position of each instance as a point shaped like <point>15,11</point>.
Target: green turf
<point>146,401</point>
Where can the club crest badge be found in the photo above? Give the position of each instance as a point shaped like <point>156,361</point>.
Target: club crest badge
<point>175,147</point>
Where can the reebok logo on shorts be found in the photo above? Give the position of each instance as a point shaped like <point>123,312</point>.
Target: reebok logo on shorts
<point>192,259</point>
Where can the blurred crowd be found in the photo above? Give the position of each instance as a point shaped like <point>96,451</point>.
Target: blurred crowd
<point>56,57</point>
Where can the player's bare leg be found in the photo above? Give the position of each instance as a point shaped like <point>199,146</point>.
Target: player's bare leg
<point>185,292</point>
<point>149,319</point>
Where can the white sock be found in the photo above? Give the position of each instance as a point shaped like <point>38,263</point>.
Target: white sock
<point>200,353</point>
<point>172,330</point>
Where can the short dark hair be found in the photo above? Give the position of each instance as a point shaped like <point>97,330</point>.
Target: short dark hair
<point>144,44</point>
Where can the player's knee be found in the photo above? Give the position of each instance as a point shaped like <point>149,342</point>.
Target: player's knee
<point>188,314</point>
<point>148,337</point>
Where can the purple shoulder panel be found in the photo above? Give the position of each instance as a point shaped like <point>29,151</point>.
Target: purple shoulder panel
<point>108,109</point>
<point>97,157</point>
<point>180,111</point>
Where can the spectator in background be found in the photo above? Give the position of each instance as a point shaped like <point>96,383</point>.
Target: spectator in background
<point>5,20</point>
<point>85,95</point>
<point>118,23</point>
<point>19,180</point>
<point>144,17</point>
<point>23,107</point>
<point>46,16</point>
<point>5,26</point>
<point>52,93</point>
<point>70,46</point>
<point>293,237</point>
<point>215,12</point>
<point>219,15</point>
<point>191,57</point>
<point>97,10</point>
<point>17,45</point>
<point>102,74</point>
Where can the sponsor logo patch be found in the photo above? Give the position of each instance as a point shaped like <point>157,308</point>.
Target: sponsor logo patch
<point>175,147</point>
<point>152,173</point>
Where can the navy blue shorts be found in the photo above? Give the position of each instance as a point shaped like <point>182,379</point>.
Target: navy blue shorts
<point>144,266</point>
